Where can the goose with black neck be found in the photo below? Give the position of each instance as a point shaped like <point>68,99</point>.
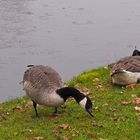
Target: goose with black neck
<point>45,87</point>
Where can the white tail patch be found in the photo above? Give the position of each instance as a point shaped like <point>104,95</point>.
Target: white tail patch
<point>83,102</point>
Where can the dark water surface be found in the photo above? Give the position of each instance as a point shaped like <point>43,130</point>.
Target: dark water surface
<point>70,35</point>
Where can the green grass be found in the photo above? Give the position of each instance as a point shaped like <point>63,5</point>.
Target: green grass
<point>112,120</point>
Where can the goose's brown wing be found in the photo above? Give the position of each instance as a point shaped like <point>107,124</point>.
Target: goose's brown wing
<point>43,77</point>
<point>131,63</point>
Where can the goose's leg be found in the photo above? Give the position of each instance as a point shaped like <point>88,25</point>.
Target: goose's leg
<point>55,110</point>
<point>35,104</point>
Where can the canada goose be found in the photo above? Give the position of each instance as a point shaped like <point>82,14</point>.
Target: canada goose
<point>45,87</point>
<point>127,70</point>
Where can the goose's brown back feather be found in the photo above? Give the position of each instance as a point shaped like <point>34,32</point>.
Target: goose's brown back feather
<point>130,63</point>
<point>43,77</point>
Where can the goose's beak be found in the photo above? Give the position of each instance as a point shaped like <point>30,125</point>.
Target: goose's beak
<point>90,111</point>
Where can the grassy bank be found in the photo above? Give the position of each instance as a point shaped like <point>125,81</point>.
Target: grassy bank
<point>116,114</point>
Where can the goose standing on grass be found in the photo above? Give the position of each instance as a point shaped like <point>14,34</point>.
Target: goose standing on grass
<point>45,87</point>
<point>127,70</point>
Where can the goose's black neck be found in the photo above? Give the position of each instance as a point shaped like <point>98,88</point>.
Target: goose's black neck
<point>66,92</point>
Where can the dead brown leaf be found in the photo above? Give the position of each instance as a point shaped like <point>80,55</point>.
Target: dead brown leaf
<point>131,86</point>
<point>97,108</point>
<point>94,123</point>
<point>77,86</point>
<point>86,91</point>
<point>65,138</point>
<point>75,133</point>
<point>91,135</point>
<point>55,131</point>
<point>112,109</point>
<point>3,115</point>
<point>100,86</point>
<point>38,138</point>
<point>64,126</point>
<point>136,101</point>
<point>20,108</point>
<point>125,102</point>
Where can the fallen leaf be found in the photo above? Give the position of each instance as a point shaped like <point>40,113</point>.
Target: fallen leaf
<point>125,102</point>
<point>74,133</point>
<point>64,126</point>
<point>133,95</point>
<point>2,115</point>
<point>96,80</point>
<point>55,131</point>
<point>77,86</point>
<point>112,109</point>
<point>131,86</point>
<point>20,108</point>
<point>136,101</point>
<point>100,86</point>
<point>29,102</point>
<point>38,138</point>
<point>94,123</point>
<point>65,138</point>
<point>97,108</point>
<point>91,135</point>
<point>86,91</point>
<point>105,104</point>
<point>137,108</point>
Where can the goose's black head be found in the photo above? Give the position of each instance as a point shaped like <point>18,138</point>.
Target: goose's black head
<point>136,52</point>
<point>83,100</point>
<point>86,104</point>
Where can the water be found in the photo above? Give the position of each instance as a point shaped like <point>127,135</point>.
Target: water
<point>70,35</point>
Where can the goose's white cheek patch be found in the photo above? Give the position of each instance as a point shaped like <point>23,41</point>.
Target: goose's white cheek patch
<point>83,103</point>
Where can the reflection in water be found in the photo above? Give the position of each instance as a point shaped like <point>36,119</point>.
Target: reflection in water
<point>71,36</point>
